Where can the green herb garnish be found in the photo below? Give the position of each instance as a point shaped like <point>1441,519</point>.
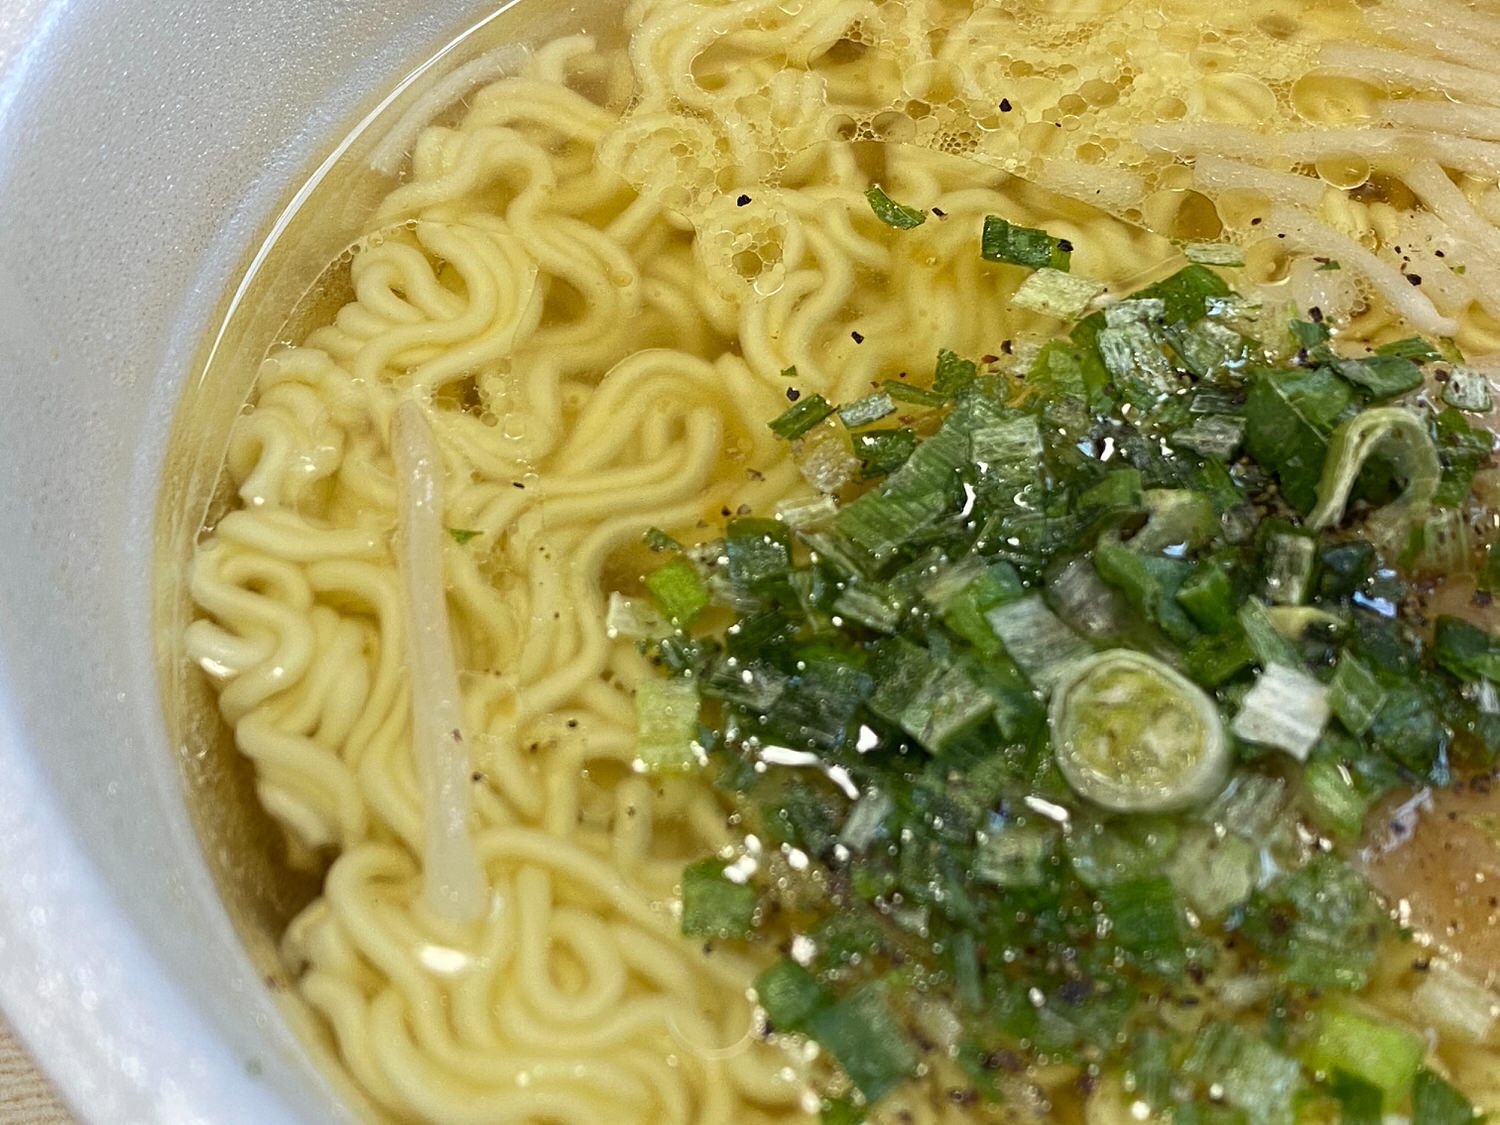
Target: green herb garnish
<point>1039,718</point>
<point>1023,246</point>
<point>891,213</point>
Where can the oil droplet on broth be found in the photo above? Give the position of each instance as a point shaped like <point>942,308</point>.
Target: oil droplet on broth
<point>1344,172</point>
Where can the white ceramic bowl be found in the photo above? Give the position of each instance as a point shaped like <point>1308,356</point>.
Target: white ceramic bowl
<point>145,149</point>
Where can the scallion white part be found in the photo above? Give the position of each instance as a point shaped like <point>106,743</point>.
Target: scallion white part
<point>666,716</point>
<point>635,618</point>
<point>1452,1000</point>
<point>453,885</point>
<point>1134,351</point>
<point>805,512</point>
<point>1214,253</point>
<point>1135,310</point>
<point>1054,293</point>
<point>1132,734</point>
<point>1286,709</point>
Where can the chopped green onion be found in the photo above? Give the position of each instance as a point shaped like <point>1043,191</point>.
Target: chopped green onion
<point>1214,253</point>
<point>1380,1053</point>
<point>1214,873</point>
<point>1212,435</point>
<point>842,1111</point>
<point>789,372</point>
<point>759,553</point>
<point>751,685</point>
<point>462,535</point>
<point>1381,376</point>
<point>1298,623</point>
<point>1252,806</point>
<point>1435,1102</point>
<point>866,410</point>
<point>1208,596</point>
<point>790,995</point>
<point>1288,567</point>
<point>910,392</point>
<point>678,591</point>
<point>1177,520</point>
<point>1133,735</point>
<point>632,617</point>
<point>883,519</point>
<point>1022,246</point>
<point>891,213</point>
<point>1150,1073</point>
<point>1187,294</point>
<point>1438,544</point>
<point>1149,584</point>
<point>1120,490</point>
<point>1412,347</point>
<point>1449,998</point>
<point>1288,416</point>
<point>1215,660</point>
<point>1088,605</point>
<point>1266,641</point>
<point>666,715</point>
<point>1468,390</point>
<point>1333,793</point>
<point>1309,334</point>
<point>865,1038</point>
<point>1392,432</point>
<point>866,819</point>
<point>1467,651</point>
<point>1056,294</point>
<point>1359,1101</point>
<point>1355,694</point>
<point>714,905</point>
<point>964,612</point>
<point>1036,639</point>
<point>1010,449</point>
<point>1464,448</point>
<point>953,373</point>
<point>1207,348</point>
<point>1133,355</point>
<point>800,417</point>
<point>1015,856</point>
<point>659,540</point>
<point>1286,708</point>
<point>1489,574</point>
<point>809,512</point>
<point>1246,1071</point>
<point>825,461</point>
<point>877,608</point>
<point>1147,922</point>
<point>883,451</point>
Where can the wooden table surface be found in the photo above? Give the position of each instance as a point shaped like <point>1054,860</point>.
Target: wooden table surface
<point>26,1098</point>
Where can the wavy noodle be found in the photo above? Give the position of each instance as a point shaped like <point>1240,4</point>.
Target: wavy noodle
<point>592,274</point>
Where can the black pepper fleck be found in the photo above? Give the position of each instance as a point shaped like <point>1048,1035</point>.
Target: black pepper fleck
<point>742,201</point>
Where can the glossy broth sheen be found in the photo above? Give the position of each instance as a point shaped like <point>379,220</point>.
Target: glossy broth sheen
<point>593,276</point>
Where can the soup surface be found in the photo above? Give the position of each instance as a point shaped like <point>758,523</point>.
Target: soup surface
<point>851,560</point>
